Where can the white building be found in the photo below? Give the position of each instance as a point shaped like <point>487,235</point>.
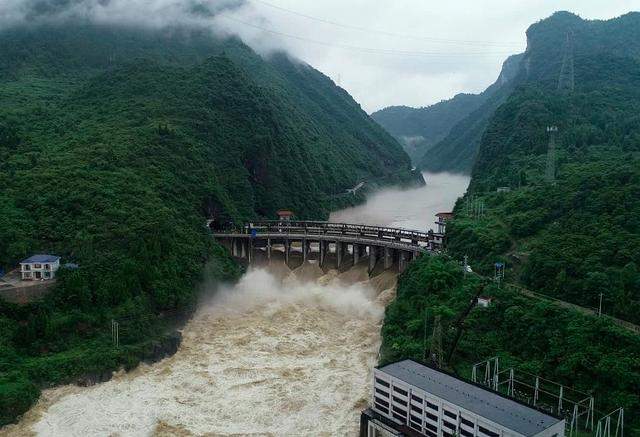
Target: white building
<point>484,301</point>
<point>412,399</point>
<point>39,267</point>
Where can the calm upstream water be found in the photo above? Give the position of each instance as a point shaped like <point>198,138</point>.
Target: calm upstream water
<point>412,208</point>
<point>279,353</point>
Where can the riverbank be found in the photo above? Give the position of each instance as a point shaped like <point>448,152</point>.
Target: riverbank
<point>280,352</point>
<point>531,335</point>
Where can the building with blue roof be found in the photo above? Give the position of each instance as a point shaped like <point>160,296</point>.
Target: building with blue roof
<point>40,267</point>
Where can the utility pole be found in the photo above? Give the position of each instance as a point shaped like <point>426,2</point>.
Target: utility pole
<point>424,338</point>
<point>600,306</point>
<point>550,173</point>
<point>115,333</point>
<point>436,343</point>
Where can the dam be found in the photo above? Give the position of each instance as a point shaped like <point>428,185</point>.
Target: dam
<point>288,350</point>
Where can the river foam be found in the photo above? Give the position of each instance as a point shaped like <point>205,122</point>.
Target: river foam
<point>264,357</point>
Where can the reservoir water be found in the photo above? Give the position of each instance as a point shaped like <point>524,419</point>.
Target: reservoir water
<point>279,353</point>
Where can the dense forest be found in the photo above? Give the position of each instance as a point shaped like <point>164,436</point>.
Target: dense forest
<point>419,129</point>
<point>562,218</point>
<point>446,136</point>
<point>116,144</point>
<point>535,336</point>
<point>571,231</point>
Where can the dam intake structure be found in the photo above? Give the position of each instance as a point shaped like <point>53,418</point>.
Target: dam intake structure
<point>339,245</point>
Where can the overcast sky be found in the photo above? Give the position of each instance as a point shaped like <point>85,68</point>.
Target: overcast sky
<point>383,52</point>
<point>425,50</point>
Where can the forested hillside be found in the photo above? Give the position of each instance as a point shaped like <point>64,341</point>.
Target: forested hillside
<point>565,223</point>
<point>116,144</point>
<point>419,129</point>
<point>458,150</point>
<point>446,136</point>
<point>573,234</point>
<point>536,336</point>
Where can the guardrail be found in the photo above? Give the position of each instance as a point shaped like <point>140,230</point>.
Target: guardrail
<point>329,228</point>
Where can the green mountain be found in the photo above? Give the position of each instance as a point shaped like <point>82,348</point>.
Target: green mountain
<point>445,136</point>
<point>117,143</point>
<point>569,225</point>
<point>565,222</point>
<point>419,129</point>
<point>457,151</point>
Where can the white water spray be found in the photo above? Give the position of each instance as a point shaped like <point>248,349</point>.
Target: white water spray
<point>262,358</point>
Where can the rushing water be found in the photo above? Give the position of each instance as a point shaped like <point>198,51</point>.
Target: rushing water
<point>279,353</point>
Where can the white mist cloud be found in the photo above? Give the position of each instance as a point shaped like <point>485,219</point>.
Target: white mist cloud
<point>401,52</point>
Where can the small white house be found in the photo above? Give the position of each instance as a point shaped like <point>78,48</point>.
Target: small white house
<point>484,301</point>
<point>39,267</point>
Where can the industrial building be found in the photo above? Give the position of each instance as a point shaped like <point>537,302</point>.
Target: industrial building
<point>411,399</point>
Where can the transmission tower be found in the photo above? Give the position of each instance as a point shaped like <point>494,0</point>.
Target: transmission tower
<point>550,173</point>
<point>566,81</point>
<point>435,351</point>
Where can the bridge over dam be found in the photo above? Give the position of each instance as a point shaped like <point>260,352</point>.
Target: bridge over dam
<point>339,244</point>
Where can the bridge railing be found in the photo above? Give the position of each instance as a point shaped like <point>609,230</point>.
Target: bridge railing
<point>328,228</point>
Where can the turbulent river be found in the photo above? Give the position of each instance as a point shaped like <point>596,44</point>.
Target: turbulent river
<point>279,353</point>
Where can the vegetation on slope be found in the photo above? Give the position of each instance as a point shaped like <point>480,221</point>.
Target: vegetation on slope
<point>573,238</point>
<point>419,129</point>
<point>535,336</point>
<point>446,136</point>
<point>577,237</point>
<point>116,144</point>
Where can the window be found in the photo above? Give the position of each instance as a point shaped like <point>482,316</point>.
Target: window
<point>431,427</point>
<point>432,417</point>
<point>450,414</point>
<point>400,401</point>
<point>27,267</point>
<point>401,391</point>
<point>416,420</point>
<point>467,422</point>
<point>416,426</point>
<point>382,402</point>
<point>485,431</point>
<point>416,398</point>
<point>432,406</point>
<point>382,392</point>
<point>47,267</point>
<point>382,409</point>
<point>430,434</point>
<point>466,433</point>
<point>382,382</point>
<point>449,424</point>
<point>47,274</point>
<point>399,417</point>
<point>416,408</point>
<point>399,411</point>
<point>37,266</point>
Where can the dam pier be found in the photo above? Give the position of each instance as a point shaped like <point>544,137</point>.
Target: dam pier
<point>339,245</point>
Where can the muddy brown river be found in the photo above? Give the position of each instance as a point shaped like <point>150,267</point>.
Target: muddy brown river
<point>279,353</point>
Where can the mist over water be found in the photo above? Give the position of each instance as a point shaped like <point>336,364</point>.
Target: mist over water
<point>280,353</point>
<point>264,357</point>
<point>412,208</point>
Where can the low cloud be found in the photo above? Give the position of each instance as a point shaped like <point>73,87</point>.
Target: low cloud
<point>135,12</point>
<point>402,52</point>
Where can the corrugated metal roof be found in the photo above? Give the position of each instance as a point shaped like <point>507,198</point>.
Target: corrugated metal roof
<point>488,404</point>
<point>40,259</point>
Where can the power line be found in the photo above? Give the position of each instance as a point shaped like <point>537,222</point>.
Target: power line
<point>385,33</point>
<point>359,48</point>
